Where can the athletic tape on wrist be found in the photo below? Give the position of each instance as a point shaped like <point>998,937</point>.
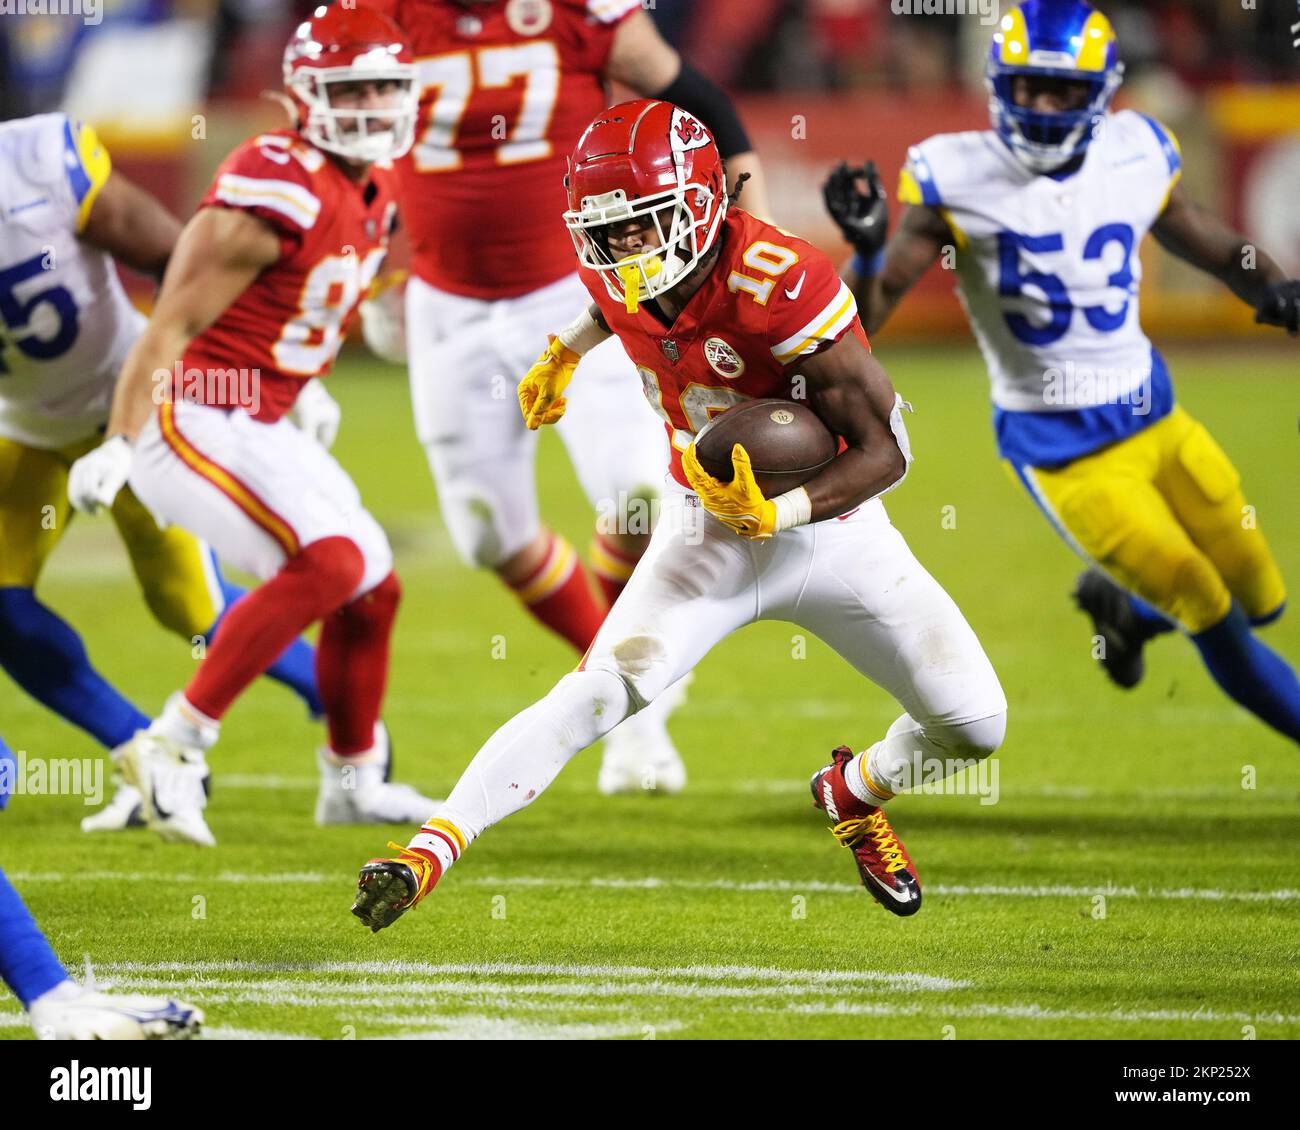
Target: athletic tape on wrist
<point>583,334</point>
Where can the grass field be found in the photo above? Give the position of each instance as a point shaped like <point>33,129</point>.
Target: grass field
<point>1125,884</point>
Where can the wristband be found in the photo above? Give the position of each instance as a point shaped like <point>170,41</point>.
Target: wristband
<point>869,268</point>
<point>794,508</point>
<point>583,334</point>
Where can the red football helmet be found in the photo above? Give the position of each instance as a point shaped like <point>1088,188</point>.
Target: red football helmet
<point>645,158</point>
<point>343,44</point>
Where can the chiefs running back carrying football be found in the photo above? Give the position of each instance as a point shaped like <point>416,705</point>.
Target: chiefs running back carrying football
<point>254,305</point>
<point>507,87</point>
<point>716,306</point>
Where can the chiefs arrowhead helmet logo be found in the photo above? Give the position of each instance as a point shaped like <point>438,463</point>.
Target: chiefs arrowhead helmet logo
<point>687,132</point>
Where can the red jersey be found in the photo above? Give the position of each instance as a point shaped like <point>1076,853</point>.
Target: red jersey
<point>507,87</point>
<point>770,300</point>
<point>291,320</point>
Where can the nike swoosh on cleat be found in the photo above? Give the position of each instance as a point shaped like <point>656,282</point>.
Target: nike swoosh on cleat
<point>793,294</point>
<point>890,890</point>
<point>828,800</point>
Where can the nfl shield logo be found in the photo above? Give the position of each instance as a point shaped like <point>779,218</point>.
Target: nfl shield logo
<point>670,350</point>
<point>370,229</point>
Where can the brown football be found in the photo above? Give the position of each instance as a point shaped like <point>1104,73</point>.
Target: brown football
<point>787,443</point>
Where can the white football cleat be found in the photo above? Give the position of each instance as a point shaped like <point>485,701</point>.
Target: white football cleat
<point>356,789</point>
<point>639,753</point>
<point>125,808</point>
<point>173,783</point>
<point>71,1012</point>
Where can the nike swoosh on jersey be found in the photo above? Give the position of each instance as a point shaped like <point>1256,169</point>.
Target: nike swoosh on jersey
<point>793,294</point>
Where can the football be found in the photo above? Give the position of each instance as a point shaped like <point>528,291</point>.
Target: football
<point>787,443</point>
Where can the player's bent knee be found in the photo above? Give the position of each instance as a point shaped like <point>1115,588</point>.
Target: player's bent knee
<point>1267,618</point>
<point>1199,597</point>
<point>973,740</point>
<point>380,603</point>
<point>480,533</point>
<point>180,607</point>
<point>642,661</point>
<point>593,701</point>
<point>336,564</point>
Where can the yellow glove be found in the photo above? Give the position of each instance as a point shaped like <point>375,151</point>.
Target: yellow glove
<point>541,392</point>
<point>738,504</point>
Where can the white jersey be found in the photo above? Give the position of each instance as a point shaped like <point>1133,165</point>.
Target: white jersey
<point>1048,264</point>
<point>66,324</point>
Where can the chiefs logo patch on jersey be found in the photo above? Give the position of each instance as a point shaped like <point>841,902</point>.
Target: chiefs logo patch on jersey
<point>528,17</point>
<point>687,132</point>
<point>722,359</point>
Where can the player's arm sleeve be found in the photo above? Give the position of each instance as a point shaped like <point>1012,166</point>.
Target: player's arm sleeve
<point>701,96</point>
<point>266,179</point>
<point>822,311</point>
<point>86,166</point>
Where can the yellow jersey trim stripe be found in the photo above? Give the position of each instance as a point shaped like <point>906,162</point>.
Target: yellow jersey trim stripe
<point>830,322</point>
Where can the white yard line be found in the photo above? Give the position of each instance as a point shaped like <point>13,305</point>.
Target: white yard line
<point>650,883</point>
<point>271,782</point>
<point>384,996</point>
<point>786,786</point>
<point>1038,1012</point>
<point>811,978</point>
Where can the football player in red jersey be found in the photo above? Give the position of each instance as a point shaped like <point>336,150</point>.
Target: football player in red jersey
<point>254,305</point>
<point>717,307</point>
<point>507,87</point>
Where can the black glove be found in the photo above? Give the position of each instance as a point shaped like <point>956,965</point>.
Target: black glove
<point>863,217</point>
<point>1280,306</point>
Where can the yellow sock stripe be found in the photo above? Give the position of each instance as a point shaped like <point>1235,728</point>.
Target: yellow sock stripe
<point>225,482</point>
<point>873,788</point>
<point>552,576</point>
<point>609,564</point>
<point>448,827</point>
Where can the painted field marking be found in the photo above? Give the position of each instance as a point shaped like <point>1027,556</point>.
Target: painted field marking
<point>828,978</point>
<point>651,883</point>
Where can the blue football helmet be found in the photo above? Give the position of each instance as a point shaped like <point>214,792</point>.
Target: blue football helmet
<point>1064,39</point>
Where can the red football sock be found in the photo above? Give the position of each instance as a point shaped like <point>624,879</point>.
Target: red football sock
<point>612,567</point>
<point>559,594</point>
<point>352,665</point>
<point>259,626</point>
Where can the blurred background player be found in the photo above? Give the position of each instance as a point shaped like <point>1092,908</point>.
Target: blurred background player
<point>1046,211</point>
<point>59,1008</point>
<point>506,88</point>
<point>268,273</point>
<point>66,325</point>
<point>749,307</point>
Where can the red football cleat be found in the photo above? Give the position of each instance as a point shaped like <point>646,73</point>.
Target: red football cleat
<point>886,869</point>
<point>388,888</point>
